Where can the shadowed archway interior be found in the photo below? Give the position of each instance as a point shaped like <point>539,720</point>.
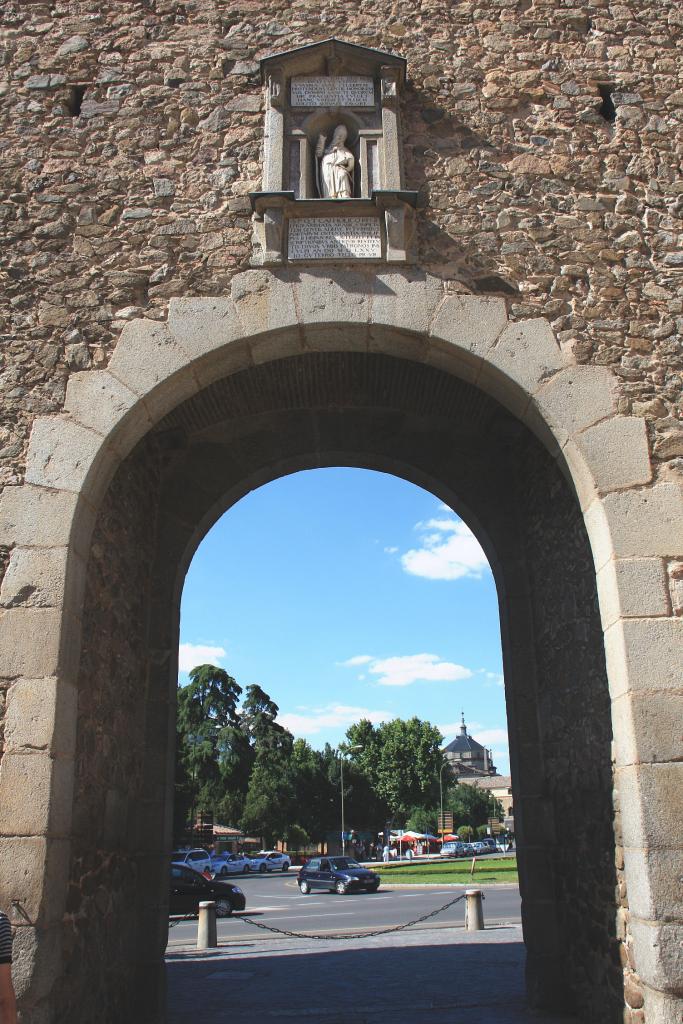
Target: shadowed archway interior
<point>364,410</point>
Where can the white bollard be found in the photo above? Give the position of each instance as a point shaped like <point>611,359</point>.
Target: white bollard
<point>206,926</point>
<point>474,912</point>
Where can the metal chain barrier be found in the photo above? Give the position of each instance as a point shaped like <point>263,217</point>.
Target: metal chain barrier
<point>354,935</point>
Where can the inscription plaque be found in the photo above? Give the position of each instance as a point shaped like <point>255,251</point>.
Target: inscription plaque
<point>334,238</point>
<point>340,91</point>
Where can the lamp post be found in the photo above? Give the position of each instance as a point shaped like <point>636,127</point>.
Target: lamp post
<point>444,765</point>
<point>342,751</point>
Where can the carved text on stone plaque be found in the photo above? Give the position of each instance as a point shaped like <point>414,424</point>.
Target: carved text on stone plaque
<point>339,91</point>
<point>334,238</point>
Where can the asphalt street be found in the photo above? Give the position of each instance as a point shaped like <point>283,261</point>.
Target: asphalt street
<point>435,968</point>
<point>275,900</point>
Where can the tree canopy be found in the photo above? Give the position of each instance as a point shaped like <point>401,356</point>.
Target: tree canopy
<point>401,760</point>
<point>237,762</point>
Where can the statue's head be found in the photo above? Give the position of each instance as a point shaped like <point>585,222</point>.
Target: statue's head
<point>340,135</point>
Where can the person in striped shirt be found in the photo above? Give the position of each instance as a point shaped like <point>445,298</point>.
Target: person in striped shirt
<point>8,1003</point>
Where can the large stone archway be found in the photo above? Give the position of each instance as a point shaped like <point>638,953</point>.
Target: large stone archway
<point>387,370</point>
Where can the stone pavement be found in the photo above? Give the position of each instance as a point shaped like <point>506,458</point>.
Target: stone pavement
<point>449,974</point>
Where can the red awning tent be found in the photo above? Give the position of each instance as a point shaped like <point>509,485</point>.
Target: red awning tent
<point>411,838</point>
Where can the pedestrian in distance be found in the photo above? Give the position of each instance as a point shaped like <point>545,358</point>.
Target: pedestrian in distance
<point>386,853</point>
<point>8,1002</point>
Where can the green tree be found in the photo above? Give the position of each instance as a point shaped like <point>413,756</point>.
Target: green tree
<point>258,719</point>
<point>315,794</point>
<point>471,805</point>
<point>270,803</point>
<point>236,760</point>
<point>465,833</point>
<point>422,819</point>
<point>206,721</point>
<point>401,760</point>
<point>297,838</point>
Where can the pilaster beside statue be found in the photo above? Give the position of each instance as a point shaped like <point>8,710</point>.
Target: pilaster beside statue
<point>332,174</point>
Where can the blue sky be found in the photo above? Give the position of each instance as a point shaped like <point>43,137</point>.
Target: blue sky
<point>346,594</point>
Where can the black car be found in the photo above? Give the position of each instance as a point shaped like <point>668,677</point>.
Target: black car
<point>189,889</point>
<point>338,874</point>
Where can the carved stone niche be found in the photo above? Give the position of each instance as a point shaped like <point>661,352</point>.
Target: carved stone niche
<point>333,170</point>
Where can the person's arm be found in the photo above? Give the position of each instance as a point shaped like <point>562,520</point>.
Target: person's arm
<point>8,1003</point>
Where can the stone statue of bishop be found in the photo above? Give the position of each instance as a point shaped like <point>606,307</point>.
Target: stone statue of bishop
<point>335,166</point>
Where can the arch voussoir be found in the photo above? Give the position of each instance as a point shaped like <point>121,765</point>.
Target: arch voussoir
<point>148,356</point>
<point>405,300</point>
<point>612,455</point>
<point>463,330</point>
<point>525,353</point>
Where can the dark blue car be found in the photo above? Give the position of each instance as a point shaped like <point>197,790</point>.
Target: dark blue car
<point>337,874</point>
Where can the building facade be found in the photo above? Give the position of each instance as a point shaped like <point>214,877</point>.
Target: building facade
<point>468,758</point>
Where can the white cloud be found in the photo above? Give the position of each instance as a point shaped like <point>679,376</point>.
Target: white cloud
<point>449,551</point>
<point>443,525</point>
<point>411,668</point>
<point>449,728</point>
<point>191,655</point>
<point>491,737</point>
<point>487,737</point>
<point>333,716</point>
<point>390,551</point>
<point>496,677</point>
<point>358,659</point>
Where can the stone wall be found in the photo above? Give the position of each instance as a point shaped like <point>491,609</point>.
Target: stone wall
<point>541,135</point>
<point>113,708</point>
<point>573,711</point>
<point>132,134</point>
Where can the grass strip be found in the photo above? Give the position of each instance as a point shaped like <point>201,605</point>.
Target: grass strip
<point>450,872</point>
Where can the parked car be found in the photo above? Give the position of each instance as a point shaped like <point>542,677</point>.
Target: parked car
<point>480,848</point>
<point>229,864</point>
<point>338,874</point>
<point>269,860</point>
<point>452,849</point>
<point>200,860</point>
<point>468,849</point>
<point>188,888</point>
<point>491,843</point>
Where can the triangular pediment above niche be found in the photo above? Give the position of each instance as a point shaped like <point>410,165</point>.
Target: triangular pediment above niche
<point>332,158</point>
<point>315,58</point>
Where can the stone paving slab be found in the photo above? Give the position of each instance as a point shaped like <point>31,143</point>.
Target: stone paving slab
<point>452,975</point>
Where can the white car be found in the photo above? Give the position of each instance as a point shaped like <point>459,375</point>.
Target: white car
<point>198,860</point>
<point>269,860</point>
<point>229,864</point>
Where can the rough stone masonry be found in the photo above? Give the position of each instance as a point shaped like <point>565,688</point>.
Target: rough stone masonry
<point>544,139</point>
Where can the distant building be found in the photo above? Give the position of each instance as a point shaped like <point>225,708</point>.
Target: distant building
<point>500,787</point>
<point>467,758</point>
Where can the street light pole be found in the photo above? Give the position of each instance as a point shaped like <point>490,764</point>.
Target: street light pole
<point>342,751</point>
<point>444,765</point>
<point>343,831</point>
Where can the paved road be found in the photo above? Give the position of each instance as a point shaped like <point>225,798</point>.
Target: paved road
<point>445,976</point>
<point>453,976</point>
<point>276,900</point>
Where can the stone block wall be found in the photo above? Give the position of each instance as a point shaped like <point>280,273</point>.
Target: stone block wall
<point>131,135</point>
